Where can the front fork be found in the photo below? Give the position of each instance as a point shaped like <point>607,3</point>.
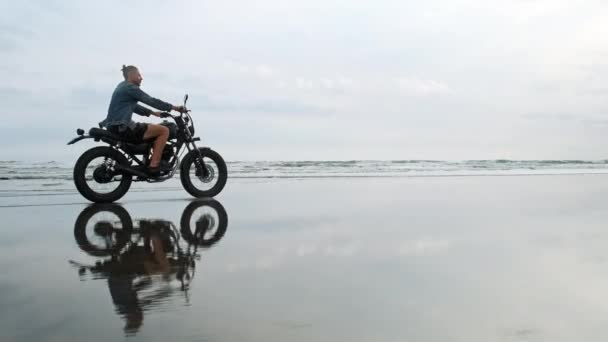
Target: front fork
<point>198,162</point>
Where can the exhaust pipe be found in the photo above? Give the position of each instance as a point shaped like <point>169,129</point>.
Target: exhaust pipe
<point>131,171</point>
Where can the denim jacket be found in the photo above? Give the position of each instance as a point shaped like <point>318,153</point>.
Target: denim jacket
<point>124,104</point>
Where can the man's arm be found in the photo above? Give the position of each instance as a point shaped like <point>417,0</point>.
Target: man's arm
<point>141,96</point>
<point>141,110</point>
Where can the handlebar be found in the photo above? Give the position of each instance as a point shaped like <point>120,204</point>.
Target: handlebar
<point>186,110</point>
<point>169,115</point>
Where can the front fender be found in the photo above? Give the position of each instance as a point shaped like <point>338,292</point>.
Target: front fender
<point>77,139</point>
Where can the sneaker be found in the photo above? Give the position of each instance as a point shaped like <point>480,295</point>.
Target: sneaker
<point>155,171</point>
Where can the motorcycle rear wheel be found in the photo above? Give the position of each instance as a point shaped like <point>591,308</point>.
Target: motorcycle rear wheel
<point>88,177</point>
<point>105,235</point>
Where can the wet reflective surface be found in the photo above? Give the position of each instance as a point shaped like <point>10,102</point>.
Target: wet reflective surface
<point>146,262</point>
<point>433,259</point>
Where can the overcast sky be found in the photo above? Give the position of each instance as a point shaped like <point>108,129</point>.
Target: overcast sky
<point>324,80</point>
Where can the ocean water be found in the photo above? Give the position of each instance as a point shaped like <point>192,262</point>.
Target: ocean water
<point>58,171</point>
<point>18,176</point>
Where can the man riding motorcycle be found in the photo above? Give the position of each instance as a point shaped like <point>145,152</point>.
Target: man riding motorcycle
<point>124,103</point>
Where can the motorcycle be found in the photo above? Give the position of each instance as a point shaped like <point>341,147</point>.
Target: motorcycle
<point>140,258</point>
<point>104,174</point>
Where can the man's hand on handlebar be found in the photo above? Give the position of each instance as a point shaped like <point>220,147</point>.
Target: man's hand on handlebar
<point>180,109</point>
<point>161,114</point>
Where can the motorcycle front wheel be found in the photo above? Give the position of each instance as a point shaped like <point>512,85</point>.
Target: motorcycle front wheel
<point>204,174</point>
<point>203,222</point>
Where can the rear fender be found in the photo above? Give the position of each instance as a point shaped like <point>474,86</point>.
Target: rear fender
<point>77,139</point>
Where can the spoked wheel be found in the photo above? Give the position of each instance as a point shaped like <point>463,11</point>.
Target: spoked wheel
<point>204,177</point>
<point>103,229</point>
<point>204,222</point>
<point>96,178</point>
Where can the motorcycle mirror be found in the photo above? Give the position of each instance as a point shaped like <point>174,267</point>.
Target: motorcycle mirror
<point>185,98</point>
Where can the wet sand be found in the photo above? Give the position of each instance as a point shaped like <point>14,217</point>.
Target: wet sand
<point>503,258</point>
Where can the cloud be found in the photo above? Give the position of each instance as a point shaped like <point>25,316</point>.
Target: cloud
<point>571,118</point>
<point>263,107</point>
<point>11,95</point>
<point>13,37</point>
<point>391,79</point>
<point>551,116</point>
<point>417,87</point>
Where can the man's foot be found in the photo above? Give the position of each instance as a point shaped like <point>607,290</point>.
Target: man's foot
<point>154,171</point>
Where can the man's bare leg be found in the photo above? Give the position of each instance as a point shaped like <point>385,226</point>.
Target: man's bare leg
<point>161,133</point>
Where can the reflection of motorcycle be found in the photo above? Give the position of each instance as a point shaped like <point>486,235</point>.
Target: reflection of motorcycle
<point>141,258</point>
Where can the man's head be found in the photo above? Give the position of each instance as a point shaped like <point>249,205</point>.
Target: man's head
<point>131,74</point>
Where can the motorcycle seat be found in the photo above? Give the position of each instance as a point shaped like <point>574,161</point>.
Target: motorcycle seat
<point>100,133</point>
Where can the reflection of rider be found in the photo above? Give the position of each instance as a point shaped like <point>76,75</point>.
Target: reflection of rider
<point>125,299</point>
<point>141,258</point>
<point>149,259</point>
